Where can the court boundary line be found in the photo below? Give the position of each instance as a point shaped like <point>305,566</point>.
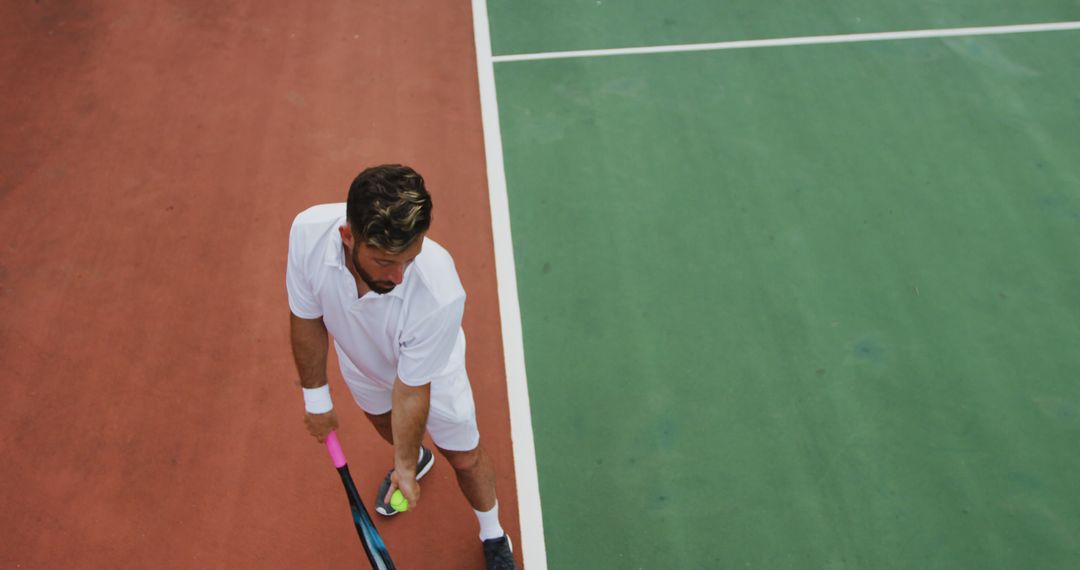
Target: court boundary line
<point>533,551</point>
<point>797,41</point>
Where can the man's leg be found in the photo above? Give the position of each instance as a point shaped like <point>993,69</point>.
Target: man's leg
<point>452,425</point>
<point>382,425</point>
<point>475,476</point>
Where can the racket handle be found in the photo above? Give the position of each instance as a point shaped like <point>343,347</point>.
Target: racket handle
<point>334,447</point>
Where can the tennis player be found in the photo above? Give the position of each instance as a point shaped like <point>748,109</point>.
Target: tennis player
<point>365,273</point>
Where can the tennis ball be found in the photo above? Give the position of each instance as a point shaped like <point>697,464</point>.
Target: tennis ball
<point>399,502</point>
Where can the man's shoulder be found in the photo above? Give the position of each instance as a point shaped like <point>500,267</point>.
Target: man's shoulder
<point>312,235</point>
<point>314,225</point>
<point>320,215</point>
<point>437,274</point>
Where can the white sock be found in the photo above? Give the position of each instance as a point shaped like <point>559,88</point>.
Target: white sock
<point>489,523</point>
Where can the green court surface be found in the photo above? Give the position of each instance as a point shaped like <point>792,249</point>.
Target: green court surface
<point>801,307</point>
<point>559,25</point>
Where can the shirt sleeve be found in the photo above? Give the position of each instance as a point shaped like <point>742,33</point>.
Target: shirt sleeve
<point>427,346</point>
<point>302,300</point>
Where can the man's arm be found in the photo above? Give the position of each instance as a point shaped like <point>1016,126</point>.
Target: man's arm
<point>410,405</point>
<point>310,344</point>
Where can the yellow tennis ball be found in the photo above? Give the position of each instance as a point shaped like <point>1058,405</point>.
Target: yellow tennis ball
<point>399,502</point>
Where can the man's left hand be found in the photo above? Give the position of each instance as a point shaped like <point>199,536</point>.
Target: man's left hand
<point>409,486</point>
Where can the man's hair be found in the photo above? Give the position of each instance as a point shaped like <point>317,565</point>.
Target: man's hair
<point>388,207</point>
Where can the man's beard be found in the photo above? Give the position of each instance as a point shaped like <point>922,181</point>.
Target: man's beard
<point>380,287</point>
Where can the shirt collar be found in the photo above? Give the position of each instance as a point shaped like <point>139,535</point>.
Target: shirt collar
<point>335,251</point>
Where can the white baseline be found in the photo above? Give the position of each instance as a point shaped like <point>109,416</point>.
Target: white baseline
<point>798,41</point>
<point>533,551</point>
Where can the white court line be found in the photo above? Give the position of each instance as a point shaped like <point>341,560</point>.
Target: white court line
<point>533,552</point>
<point>799,41</point>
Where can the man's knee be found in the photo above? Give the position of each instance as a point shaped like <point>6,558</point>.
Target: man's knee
<point>463,460</point>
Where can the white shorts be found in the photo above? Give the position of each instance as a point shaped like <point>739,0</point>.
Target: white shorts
<point>451,418</point>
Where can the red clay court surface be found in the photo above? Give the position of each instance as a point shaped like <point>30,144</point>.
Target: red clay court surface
<point>153,157</point>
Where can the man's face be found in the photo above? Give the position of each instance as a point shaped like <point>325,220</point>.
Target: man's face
<point>379,270</point>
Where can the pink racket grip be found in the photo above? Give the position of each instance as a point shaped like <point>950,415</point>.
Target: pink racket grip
<point>334,447</point>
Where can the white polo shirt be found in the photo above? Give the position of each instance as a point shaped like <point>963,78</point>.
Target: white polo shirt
<point>413,332</point>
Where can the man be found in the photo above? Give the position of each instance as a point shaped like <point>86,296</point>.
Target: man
<point>365,273</point>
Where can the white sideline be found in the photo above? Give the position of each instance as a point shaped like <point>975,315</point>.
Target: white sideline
<point>533,552</point>
<point>797,41</point>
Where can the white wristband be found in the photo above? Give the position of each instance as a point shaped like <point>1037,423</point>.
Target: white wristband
<point>317,400</point>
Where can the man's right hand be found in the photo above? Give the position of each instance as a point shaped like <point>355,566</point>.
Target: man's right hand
<point>320,425</point>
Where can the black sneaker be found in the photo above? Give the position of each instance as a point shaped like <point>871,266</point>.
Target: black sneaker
<point>499,553</point>
<point>427,461</point>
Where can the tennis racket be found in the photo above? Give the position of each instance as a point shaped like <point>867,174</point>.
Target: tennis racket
<point>374,546</point>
